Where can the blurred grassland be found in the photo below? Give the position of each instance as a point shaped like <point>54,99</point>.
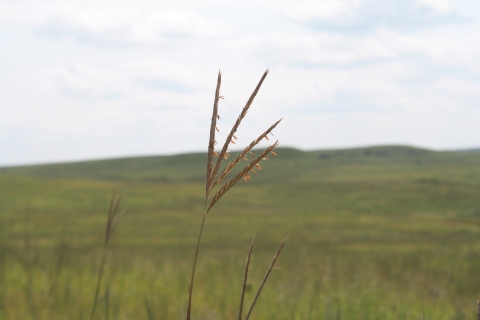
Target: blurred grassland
<point>375,233</point>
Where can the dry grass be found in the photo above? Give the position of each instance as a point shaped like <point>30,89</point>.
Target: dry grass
<point>214,178</point>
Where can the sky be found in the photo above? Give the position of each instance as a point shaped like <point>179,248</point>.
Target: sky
<point>101,79</point>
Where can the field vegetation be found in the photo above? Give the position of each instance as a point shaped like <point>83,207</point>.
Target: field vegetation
<point>375,233</point>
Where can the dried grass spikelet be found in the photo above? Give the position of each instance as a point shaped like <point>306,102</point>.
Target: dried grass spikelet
<point>229,138</point>
<point>230,183</point>
<point>213,127</point>
<point>242,155</point>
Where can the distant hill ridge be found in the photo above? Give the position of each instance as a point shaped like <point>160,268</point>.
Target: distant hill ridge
<point>290,164</point>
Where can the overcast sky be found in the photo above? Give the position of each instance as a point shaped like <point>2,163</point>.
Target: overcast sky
<point>97,79</point>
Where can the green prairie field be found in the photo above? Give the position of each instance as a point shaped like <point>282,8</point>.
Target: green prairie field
<point>374,233</point>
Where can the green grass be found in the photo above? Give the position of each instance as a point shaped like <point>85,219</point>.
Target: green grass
<point>375,233</point>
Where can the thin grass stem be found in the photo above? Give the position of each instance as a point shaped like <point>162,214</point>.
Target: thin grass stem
<point>112,220</point>
<point>99,282</point>
<point>244,287</point>
<point>107,302</point>
<point>192,278</point>
<point>265,278</point>
<point>149,309</point>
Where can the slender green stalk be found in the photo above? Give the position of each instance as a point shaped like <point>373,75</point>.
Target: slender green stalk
<point>244,287</point>
<point>149,309</point>
<point>99,281</point>
<point>107,302</point>
<point>190,286</point>
<point>112,220</point>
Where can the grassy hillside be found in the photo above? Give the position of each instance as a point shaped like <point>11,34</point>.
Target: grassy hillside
<point>375,233</point>
<point>291,165</point>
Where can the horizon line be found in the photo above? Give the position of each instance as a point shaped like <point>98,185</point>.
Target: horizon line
<point>119,157</point>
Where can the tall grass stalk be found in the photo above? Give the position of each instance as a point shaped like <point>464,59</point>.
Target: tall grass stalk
<point>214,177</point>
<point>113,217</point>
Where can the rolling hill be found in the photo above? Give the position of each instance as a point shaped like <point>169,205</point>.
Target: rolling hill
<point>386,162</point>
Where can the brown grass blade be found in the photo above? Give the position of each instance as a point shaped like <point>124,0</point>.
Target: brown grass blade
<point>230,183</point>
<point>236,125</point>
<point>265,278</point>
<point>211,142</point>
<point>242,154</point>
<point>245,280</point>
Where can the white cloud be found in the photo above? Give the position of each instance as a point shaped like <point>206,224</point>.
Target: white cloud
<point>82,80</point>
<point>438,6</point>
<point>112,23</point>
<point>304,10</point>
<point>163,71</point>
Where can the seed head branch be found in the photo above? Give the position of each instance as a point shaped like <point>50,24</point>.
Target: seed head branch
<point>213,127</point>
<point>230,183</point>
<point>236,125</point>
<point>242,155</point>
